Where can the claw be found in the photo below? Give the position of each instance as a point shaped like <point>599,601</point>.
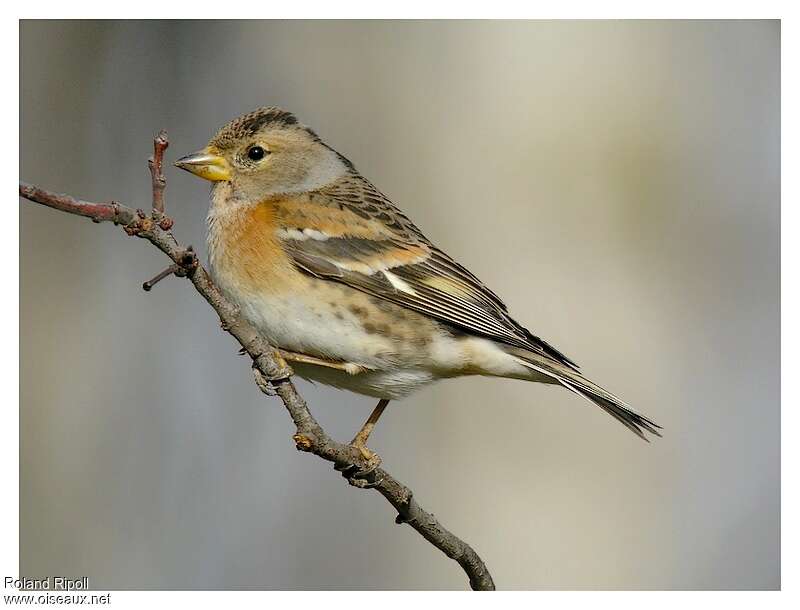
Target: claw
<point>358,476</point>
<point>358,479</point>
<point>373,459</point>
<point>265,385</point>
<point>374,483</point>
<point>372,465</point>
<point>345,469</point>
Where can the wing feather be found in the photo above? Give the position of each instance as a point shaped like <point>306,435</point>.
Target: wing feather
<point>402,266</point>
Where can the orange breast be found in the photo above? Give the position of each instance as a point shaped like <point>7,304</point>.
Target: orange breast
<point>247,253</point>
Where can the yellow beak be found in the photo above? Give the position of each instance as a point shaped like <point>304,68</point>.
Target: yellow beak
<point>206,165</point>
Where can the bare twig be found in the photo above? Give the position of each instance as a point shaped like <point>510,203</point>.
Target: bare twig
<point>98,212</point>
<point>270,370</point>
<point>156,163</point>
<point>148,285</point>
<point>186,262</point>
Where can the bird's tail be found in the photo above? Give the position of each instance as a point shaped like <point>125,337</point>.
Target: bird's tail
<point>575,382</point>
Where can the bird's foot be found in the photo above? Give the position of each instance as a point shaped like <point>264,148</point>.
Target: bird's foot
<point>361,475</point>
<point>372,458</point>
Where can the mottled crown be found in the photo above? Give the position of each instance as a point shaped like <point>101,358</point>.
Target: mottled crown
<point>268,116</point>
<point>253,122</point>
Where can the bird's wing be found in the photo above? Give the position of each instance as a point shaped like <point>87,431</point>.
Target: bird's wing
<point>351,233</point>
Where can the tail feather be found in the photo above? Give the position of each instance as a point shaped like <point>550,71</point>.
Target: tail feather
<point>575,382</point>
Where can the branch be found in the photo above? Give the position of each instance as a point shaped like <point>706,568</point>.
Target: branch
<point>272,374</point>
<point>155,163</point>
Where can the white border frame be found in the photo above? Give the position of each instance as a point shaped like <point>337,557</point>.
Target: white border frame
<point>677,9</point>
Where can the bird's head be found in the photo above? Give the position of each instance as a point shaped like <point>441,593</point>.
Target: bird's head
<point>264,153</point>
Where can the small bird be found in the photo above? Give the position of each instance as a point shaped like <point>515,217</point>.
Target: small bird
<point>347,288</point>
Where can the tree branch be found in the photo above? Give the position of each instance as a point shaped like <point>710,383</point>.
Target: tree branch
<point>156,163</point>
<point>272,374</point>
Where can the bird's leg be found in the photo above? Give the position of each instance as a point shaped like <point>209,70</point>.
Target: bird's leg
<point>360,439</point>
<point>348,367</point>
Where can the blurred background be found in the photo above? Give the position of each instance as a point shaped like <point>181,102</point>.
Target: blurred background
<point>616,182</point>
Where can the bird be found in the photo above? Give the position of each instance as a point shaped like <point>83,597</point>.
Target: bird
<point>346,287</point>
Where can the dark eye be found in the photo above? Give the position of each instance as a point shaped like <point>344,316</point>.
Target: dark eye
<point>256,153</point>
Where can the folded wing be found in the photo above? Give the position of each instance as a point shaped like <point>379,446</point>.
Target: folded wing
<point>396,262</point>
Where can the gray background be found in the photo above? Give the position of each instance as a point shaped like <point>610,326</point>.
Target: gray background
<point>616,182</point>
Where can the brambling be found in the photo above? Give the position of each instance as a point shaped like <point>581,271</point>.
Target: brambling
<point>347,288</point>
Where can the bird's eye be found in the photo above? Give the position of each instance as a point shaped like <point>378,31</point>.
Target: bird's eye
<point>256,153</point>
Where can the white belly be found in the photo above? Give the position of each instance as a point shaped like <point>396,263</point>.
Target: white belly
<point>322,327</point>
<point>392,384</point>
<point>400,353</point>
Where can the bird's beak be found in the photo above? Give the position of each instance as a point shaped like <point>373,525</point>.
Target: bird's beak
<point>207,165</point>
